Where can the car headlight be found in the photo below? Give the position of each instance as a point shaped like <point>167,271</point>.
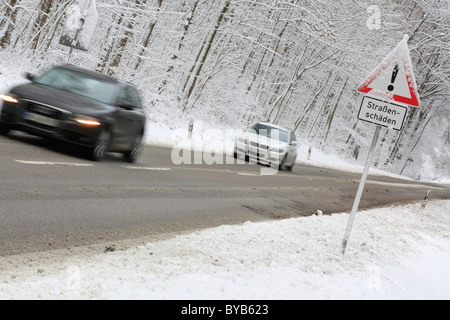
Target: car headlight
<point>8,98</point>
<point>277,150</point>
<point>86,121</point>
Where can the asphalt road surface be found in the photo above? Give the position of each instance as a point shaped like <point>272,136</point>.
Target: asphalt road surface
<point>53,197</point>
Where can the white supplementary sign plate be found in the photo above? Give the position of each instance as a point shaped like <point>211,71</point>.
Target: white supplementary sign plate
<point>382,113</point>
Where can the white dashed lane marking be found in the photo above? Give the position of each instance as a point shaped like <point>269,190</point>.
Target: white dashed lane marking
<point>49,163</point>
<point>147,168</point>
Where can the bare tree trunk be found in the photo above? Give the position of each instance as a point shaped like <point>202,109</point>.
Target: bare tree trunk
<point>188,25</point>
<point>8,23</point>
<point>147,37</point>
<point>331,116</point>
<point>200,64</point>
<point>321,108</point>
<point>296,76</point>
<point>39,23</point>
<point>309,106</point>
<point>261,37</point>
<point>111,36</point>
<point>122,43</point>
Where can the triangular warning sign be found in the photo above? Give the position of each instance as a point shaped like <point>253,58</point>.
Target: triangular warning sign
<point>393,79</point>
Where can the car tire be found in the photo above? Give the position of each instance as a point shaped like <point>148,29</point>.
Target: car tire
<point>4,130</point>
<point>292,166</point>
<point>101,145</point>
<point>281,165</point>
<point>132,155</point>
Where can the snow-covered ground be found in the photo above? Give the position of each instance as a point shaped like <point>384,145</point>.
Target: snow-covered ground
<point>397,252</point>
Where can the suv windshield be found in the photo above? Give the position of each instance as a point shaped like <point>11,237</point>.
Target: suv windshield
<point>270,132</point>
<point>79,83</point>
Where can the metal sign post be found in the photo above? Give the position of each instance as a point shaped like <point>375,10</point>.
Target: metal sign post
<point>360,188</point>
<point>392,81</point>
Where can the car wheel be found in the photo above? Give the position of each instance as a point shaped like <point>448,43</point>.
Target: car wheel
<point>101,145</point>
<point>133,154</point>
<point>4,130</point>
<point>281,165</point>
<point>292,166</point>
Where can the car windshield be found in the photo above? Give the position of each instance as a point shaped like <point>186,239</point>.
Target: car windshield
<point>270,132</point>
<point>79,83</point>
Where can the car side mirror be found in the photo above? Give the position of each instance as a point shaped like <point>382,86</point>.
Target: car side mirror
<point>30,76</point>
<point>294,143</point>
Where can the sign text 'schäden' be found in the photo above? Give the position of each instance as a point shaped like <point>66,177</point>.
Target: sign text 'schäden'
<point>382,113</point>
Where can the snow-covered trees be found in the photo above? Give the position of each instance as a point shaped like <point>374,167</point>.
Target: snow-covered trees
<point>232,62</point>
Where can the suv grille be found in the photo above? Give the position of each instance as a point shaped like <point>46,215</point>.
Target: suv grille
<point>45,110</point>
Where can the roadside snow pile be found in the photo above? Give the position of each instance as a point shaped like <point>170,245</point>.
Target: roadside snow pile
<point>397,252</point>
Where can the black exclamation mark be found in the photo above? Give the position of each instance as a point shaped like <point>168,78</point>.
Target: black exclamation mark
<point>394,76</point>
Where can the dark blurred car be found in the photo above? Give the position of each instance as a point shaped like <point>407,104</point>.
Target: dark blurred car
<point>78,106</point>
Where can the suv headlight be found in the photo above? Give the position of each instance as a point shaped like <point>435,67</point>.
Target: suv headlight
<point>87,121</point>
<point>8,98</point>
<point>277,149</point>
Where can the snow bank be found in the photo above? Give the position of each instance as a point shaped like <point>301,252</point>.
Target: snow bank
<point>393,253</point>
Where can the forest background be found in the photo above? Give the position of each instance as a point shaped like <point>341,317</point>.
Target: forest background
<point>230,63</point>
